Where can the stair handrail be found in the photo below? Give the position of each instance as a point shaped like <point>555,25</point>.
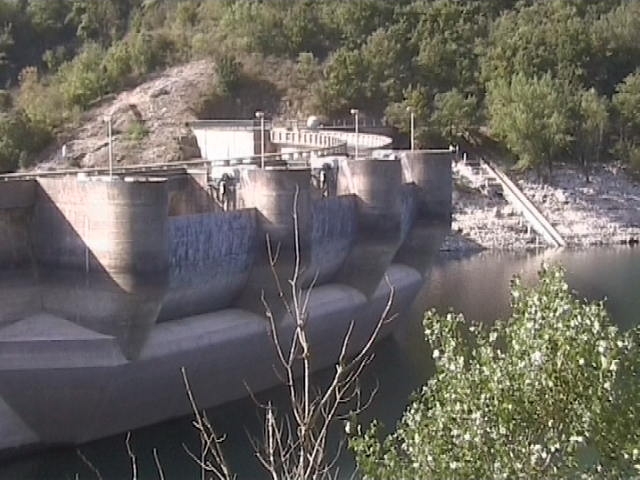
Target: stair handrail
<point>549,232</point>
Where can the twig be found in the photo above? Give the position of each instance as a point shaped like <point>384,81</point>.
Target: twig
<point>134,465</point>
<point>156,459</point>
<point>91,466</point>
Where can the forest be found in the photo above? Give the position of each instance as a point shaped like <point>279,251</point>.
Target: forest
<point>551,81</point>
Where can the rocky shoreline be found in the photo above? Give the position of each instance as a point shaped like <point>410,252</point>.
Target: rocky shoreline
<point>602,212</point>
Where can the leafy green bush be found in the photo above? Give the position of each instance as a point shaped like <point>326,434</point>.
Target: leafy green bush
<point>455,115</point>
<point>117,65</point>
<point>531,116</point>
<point>9,145</point>
<point>626,102</point>
<point>550,393</point>
<point>42,103</point>
<point>150,51</point>
<point>228,70</point>
<point>19,140</point>
<point>83,80</point>
<point>137,131</point>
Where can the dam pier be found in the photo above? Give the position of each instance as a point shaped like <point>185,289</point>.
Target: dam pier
<point>112,281</point>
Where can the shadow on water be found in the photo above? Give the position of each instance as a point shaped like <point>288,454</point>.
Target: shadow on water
<point>476,286</point>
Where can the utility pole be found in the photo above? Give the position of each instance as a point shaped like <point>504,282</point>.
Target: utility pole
<point>260,115</point>
<point>355,112</point>
<point>413,127</point>
<point>108,119</point>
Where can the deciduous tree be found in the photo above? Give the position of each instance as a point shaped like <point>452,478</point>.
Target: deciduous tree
<point>591,124</point>
<point>454,115</point>
<point>551,393</point>
<point>531,116</point>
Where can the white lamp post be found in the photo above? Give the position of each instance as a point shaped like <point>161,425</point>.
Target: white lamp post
<point>354,112</point>
<point>260,115</point>
<point>107,119</point>
<point>413,127</point>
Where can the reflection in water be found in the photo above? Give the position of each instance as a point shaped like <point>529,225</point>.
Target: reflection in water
<point>476,286</point>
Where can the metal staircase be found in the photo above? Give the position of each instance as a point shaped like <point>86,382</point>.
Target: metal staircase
<point>498,183</point>
<point>520,201</point>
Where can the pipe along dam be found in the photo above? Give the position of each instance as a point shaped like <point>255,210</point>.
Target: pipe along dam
<point>112,281</point>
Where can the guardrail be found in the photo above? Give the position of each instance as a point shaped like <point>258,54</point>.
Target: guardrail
<point>270,160</point>
<point>306,138</point>
<point>330,138</point>
<point>316,142</point>
<point>231,124</point>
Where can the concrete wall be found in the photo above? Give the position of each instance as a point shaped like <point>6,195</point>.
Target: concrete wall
<point>189,194</point>
<point>377,186</point>
<point>333,236</point>
<point>19,295</point>
<point>210,258</point>
<point>428,175</point>
<point>122,306</point>
<point>16,202</point>
<point>409,202</point>
<point>431,173</point>
<point>223,352</point>
<point>19,291</point>
<point>274,194</point>
<point>113,226</point>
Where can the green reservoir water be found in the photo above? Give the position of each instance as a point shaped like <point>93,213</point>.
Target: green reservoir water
<point>476,286</point>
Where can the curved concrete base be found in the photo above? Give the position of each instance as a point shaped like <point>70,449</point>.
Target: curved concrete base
<point>92,395</point>
<point>15,433</point>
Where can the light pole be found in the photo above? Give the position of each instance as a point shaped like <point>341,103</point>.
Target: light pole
<point>260,115</point>
<point>107,119</point>
<point>413,127</point>
<point>354,112</point>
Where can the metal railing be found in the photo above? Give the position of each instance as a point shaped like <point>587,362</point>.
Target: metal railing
<point>316,143</point>
<point>529,211</point>
<point>326,139</point>
<point>230,124</point>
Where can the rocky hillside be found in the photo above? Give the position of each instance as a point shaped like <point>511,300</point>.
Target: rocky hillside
<point>149,122</point>
<point>603,211</point>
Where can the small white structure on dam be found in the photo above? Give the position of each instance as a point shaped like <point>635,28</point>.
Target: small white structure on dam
<point>226,139</point>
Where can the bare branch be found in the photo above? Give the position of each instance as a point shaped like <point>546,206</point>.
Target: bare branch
<point>211,443</point>
<point>156,459</point>
<point>132,457</point>
<point>294,446</point>
<point>91,466</point>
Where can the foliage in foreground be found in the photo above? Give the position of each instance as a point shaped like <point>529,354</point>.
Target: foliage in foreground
<point>550,393</point>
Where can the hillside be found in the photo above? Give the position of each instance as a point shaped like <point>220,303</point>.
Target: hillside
<point>549,81</point>
<point>149,122</point>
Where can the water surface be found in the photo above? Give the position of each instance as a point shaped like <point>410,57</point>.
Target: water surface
<point>476,286</point>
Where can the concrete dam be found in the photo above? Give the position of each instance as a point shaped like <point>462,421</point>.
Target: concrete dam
<point>110,284</point>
